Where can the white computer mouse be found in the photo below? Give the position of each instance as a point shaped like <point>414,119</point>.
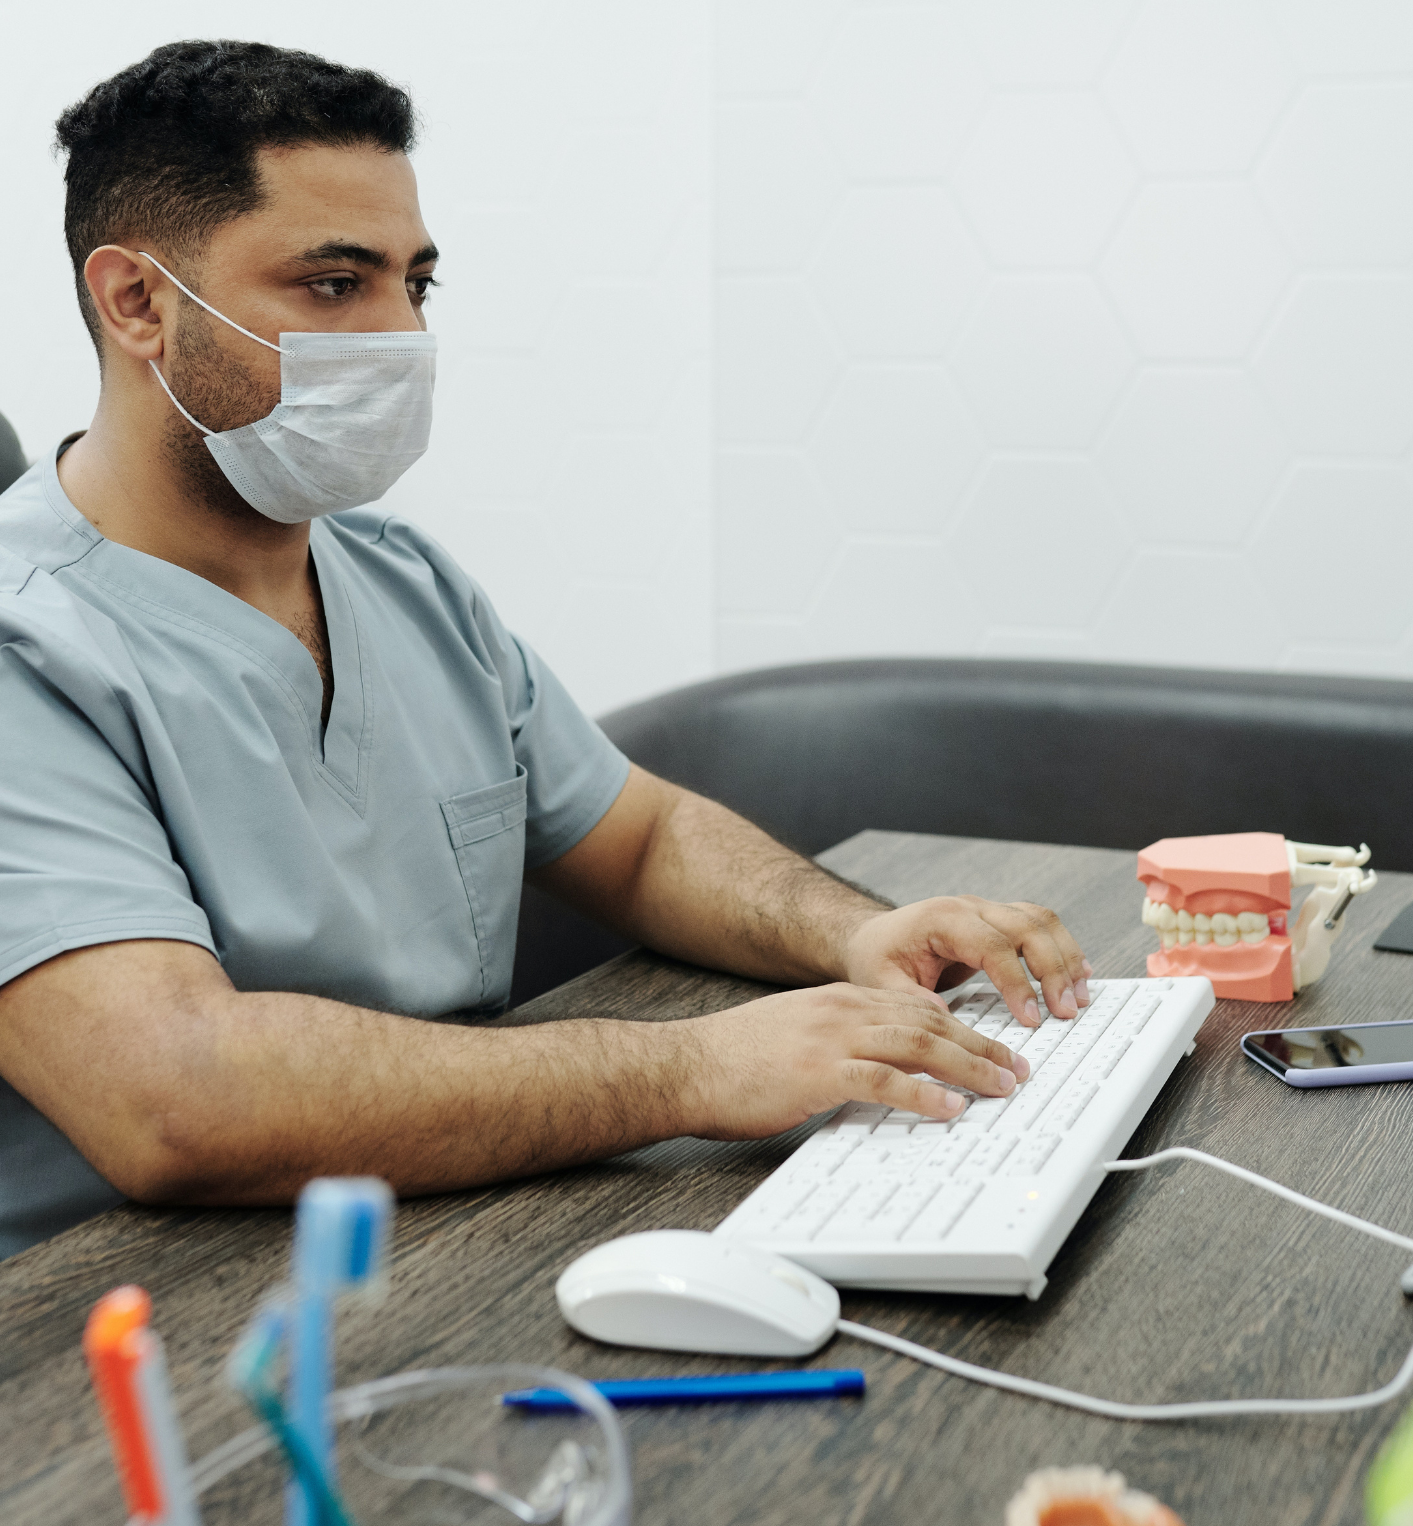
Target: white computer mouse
<point>681,1290</point>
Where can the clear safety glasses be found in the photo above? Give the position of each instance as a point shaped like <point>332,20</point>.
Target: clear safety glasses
<point>439,1448</point>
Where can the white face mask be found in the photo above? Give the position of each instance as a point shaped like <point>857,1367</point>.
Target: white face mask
<point>355,412</point>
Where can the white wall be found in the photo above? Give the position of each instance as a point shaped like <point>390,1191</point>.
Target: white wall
<point>1066,328</point>
<point>565,176</point>
<point>1077,329</point>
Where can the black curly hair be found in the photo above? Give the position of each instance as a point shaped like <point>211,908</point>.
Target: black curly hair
<point>167,149</point>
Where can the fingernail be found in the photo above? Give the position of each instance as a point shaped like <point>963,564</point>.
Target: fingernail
<point>1021,1066</point>
<point>1081,991</point>
<point>1007,1080</point>
<point>1088,969</point>
<point>1068,1003</point>
<point>1032,1013</point>
<point>952,1102</point>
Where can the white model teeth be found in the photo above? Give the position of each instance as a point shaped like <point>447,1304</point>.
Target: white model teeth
<point>1222,928</point>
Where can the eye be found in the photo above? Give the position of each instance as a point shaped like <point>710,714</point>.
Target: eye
<point>420,288</point>
<point>333,287</point>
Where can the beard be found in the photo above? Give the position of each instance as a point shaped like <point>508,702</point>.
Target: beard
<point>223,394</point>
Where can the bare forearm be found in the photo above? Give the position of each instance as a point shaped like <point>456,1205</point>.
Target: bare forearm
<point>295,1087</point>
<point>715,890</point>
<point>217,1096</point>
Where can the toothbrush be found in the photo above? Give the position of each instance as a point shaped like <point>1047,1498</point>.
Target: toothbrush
<point>248,1371</point>
<point>340,1240</point>
<point>130,1377</point>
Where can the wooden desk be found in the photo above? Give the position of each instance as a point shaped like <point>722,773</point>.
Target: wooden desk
<point>1175,1285</point>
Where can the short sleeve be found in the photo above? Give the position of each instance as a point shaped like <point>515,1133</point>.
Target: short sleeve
<point>84,858</point>
<point>574,772</point>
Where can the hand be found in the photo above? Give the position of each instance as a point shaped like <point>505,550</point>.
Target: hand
<point>770,1064</point>
<point>936,944</point>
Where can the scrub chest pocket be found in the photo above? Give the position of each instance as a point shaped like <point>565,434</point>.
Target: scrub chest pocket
<point>487,831</point>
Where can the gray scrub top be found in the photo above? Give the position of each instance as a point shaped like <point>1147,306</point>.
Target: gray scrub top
<point>163,775</point>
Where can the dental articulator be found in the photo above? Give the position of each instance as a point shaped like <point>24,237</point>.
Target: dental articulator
<point>1222,906</point>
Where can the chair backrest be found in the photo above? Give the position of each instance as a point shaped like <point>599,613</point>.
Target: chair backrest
<point>12,459</point>
<point>1044,752</point>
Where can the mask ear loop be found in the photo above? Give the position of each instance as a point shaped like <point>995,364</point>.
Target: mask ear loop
<point>175,403</point>
<point>157,372</point>
<point>239,330</point>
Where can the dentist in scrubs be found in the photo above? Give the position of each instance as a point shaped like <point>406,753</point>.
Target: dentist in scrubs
<point>272,770</point>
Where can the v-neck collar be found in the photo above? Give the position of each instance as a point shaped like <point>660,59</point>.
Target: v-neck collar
<point>338,749</point>
<point>350,717</point>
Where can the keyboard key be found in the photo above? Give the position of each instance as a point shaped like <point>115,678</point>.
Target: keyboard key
<point>986,1157</point>
<point>974,1008</point>
<point>898,1213</point>
<point>1033,1100</point>
<point>1136,1014</point>
<point>870,1159</point>
<point>1046,1039</point>
<point>775,1200</point>
<point>1032,1155</point>
<point>805,1221</point>
<point>1069,1105</point>
<point>939,1217</point>
<point>1104,1056</point>
<point>857,1118</point>
<point>931,1128</point>
<point>982,1113</point>
<point>856,1219</point>
<point>824,1145</point>
<point>1015,1035</point>
<point>941,1164</point>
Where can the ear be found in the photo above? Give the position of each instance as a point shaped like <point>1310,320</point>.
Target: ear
<point>135,302</point>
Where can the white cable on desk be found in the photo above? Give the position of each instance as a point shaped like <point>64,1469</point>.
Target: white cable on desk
<point>1200,1409</point>
<point>1182,1152</point>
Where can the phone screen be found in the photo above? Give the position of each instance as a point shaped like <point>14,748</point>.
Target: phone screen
<point>1329,1048</point>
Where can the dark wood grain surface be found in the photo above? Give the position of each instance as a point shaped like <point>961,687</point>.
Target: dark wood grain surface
<point>1177,1284</point>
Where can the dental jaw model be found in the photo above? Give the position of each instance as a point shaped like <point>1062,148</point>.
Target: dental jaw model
<point>1221,907</point>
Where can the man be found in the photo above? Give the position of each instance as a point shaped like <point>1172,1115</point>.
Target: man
<point>271,770</point>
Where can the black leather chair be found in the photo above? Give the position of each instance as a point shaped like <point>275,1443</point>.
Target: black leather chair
<point>12,459</point>
<point>1111,757</point>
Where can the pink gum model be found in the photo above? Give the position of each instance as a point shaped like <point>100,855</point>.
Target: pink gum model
<point>1231,873</point>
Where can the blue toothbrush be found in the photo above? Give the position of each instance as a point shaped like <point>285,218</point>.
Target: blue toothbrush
<point>340,1242</point>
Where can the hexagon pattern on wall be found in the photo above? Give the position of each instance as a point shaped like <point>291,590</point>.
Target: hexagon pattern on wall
<point>1099,347</point>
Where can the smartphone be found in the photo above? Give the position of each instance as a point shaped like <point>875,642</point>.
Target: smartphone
<point>1349,1056</point>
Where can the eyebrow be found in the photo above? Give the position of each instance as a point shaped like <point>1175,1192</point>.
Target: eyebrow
<point>336,251</point>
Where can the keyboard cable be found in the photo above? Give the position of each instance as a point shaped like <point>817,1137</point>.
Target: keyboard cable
<point>1201,1409</point>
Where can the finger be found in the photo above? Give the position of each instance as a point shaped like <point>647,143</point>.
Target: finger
<point>903,1002</point>
<point>877,1081</point>
<point>903,983</point>
<point>924,1019</point>
<point>989,1049</point>
<point>996,954</point>
<point>914,1049</point>
<point>1028,929</point>
<point>1076,964</point>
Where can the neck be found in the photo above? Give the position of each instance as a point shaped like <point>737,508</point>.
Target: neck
<point>128,484</point>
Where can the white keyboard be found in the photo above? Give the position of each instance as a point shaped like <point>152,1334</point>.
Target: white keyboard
<point>883,1199</point>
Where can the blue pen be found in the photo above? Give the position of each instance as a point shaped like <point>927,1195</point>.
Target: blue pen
<point>340,1236</point>
<point>822,1383</point>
